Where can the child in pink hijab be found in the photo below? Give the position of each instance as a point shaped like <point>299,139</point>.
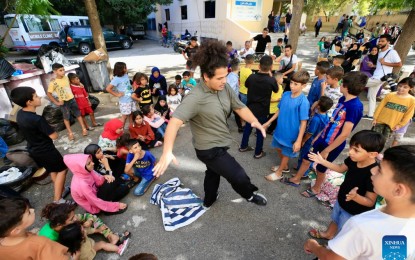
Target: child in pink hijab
<point>92,191</point>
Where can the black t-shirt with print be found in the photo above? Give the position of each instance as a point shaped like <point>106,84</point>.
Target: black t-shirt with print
<point>145,94</point>
<point>355,177</point>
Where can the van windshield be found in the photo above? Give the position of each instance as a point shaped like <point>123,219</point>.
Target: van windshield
<point>9,21</point>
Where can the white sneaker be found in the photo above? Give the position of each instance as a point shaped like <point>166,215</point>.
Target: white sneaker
<point>123,246</point>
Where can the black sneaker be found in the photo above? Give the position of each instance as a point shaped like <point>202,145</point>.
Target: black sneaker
<point>367,117</point>
<point>258,199</point>
<point>206,207</point>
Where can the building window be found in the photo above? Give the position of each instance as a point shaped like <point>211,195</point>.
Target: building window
<point>210,9</point>
<point>184,12</point>
<point>167,14</point>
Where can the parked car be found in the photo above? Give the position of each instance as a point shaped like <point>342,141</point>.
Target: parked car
<point>135,31</point>
<point>79,39</point>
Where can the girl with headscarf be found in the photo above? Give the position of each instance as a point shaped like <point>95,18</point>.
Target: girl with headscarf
<point>157,84</point>
<point>105,164</point>
<point>108,139</point>
<point>162,108</point>
<point>92,191</point>
<point>368,64</point>
<point>317,26</point>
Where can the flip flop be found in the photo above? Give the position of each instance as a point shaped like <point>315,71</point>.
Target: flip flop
<point>315,233</point>
<point>309,192</point>
<point>287,181</point>
<point>248,148</point>
<point>276,167</point>
<point>259,156</point>
<point>273,177</point>
<point>71,137</point>
<point>124,236</point>
<point>84,132</point>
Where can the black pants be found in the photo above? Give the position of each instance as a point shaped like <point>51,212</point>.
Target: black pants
<point>113,191</point>
<point>317,31</point>
<point>220,163</point>
<point>272,126</point>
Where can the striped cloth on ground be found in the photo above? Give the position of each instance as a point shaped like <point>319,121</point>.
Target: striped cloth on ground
<point>179,206</point>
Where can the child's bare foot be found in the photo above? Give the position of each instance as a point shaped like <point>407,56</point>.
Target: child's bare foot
<point>274,176</point>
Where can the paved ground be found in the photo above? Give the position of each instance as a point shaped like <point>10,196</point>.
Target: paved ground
<point>232,228</point>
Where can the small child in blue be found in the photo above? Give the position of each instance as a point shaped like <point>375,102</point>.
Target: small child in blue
<point>292,121</point>
<point>188,82</point>
<point>316,89</point>
<point>141,163</point>
<point>314,126</point>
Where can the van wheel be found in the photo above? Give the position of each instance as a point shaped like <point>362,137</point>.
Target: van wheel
<point>84,48</point>
<point>126,44</point>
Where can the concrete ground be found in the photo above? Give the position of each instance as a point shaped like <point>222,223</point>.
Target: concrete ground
<point>233,228</point>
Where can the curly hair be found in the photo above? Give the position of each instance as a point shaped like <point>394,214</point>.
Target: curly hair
<point>57,214</point>
<point>210,56</point>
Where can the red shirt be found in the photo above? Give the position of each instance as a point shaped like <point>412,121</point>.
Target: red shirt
<point>144,129</point>
<point>81,96</point>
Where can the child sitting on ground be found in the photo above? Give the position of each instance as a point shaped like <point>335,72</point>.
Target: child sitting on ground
<point>162,108</point>
<point>275,100</point>
<point>156,122</point>
<point>386,230</point>
<point>74,237</point>
<point>331,88</point>
<point>356,193</point>
<point>395,111</point>
<point>317,87</point>
<point>314,126</point>
<point>141,130</point>
<point>81,97</point>
<point>60,215</point>
<point>16,215</point>
<point>292,121</point>
<point>178,84</point>
<point>121,142</point>
<point>92,191</point>
<point>61,86</point>
<point>141,163</point>
<point>173,98</point>
<point>113,129</point>
<point>188,82</point>
<point>142,94</point>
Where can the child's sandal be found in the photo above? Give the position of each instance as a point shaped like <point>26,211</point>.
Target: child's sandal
<point>71,137</point>
<point>84,132</point>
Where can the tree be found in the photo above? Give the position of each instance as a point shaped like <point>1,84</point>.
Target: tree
<point>328,7</point>
<point>92,11</point>
<point>407,36</point>
<point>295,23</point>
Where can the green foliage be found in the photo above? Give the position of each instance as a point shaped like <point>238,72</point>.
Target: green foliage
<point>328,7</point>
<point>394,4</point>
<point>40,7</point>
<point>3,50</point>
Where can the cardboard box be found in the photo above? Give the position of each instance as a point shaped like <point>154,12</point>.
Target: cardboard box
<point>97,55</point>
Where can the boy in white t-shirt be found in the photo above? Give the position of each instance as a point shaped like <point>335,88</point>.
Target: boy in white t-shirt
<point>386,232</point>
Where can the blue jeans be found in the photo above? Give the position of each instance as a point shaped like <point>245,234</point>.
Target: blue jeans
<point>162,129</point>
<point>143,185</point>
<point>259,136</point>
<point>243,98</point>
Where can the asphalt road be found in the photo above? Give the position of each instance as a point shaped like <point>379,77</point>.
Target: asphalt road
<point>232,228</point>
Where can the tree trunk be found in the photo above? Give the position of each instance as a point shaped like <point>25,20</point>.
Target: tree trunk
<point>295,23</point>
<point>406,38</point>
<point>92,11</point>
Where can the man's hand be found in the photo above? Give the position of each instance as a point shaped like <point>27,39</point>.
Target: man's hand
<point>60,103</point>
<point>382,61</point>
<point>352,194</point>
<point>163,163</point>
<point>258,126</point>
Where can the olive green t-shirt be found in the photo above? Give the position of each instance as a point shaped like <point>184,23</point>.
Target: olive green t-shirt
<point>207,111</point>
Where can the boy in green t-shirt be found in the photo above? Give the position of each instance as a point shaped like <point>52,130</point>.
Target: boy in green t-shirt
<point>278,50</point>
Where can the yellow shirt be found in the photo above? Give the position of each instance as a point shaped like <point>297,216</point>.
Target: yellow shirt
<point>243,75</point>
<point>395,110</point>
<point>61,88</point>
<point>273,107</point>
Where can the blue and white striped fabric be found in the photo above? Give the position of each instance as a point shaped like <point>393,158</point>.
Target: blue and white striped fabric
<point>179,206</point>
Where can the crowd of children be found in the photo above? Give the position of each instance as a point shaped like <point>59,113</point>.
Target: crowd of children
<point>313,128</point>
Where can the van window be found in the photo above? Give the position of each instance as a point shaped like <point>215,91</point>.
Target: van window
<point>9,21</point>
<point>54,24</point>
<point>33,24</point>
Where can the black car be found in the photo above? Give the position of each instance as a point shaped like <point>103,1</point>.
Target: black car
<point>79,39</point>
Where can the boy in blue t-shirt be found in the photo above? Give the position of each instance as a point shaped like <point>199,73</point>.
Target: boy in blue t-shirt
<point>316,89</point>
<point>141,162</point>
<point>332,140</point>
<point>314,126</point>
<point>188,82</point>
<point>292,121</point>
